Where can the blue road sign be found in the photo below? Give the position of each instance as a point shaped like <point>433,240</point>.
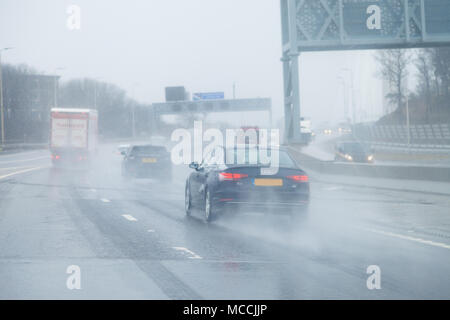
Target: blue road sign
<point>208,96</point>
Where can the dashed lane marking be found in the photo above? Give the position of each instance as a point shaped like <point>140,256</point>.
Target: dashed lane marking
<point>333,188</point>
<point>192,254</point>
<point>129,217</point>
<point>105,200</point>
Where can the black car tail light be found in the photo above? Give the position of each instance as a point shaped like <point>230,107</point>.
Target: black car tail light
<point>299,178</point>
<point>229,176</point>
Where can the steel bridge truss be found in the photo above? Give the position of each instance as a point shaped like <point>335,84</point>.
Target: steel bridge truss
<point>321,25</point>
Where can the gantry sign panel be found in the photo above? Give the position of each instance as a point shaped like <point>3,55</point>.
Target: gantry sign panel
<point>213,106</point>
<point>207,107</point>
<point>367,24</point>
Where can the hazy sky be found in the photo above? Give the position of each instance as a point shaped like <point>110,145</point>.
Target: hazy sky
<point>205,45</point>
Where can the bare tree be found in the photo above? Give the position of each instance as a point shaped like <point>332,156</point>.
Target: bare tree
<point>113,105</point>
<point>425,68</point>
<point>440,58</point>
<point>394,68</point>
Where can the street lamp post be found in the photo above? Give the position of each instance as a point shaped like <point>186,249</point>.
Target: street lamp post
<point>342,80</point>
<point>234,90</point>
<point>55,99</point>
<point>95,91</point>
<point>55,88</point>
<point>95,95</point>
<point>133,119</point>
<point>2,111</point>
<point>408,130</point>
<point>133,123</point>
<point>353,93</point>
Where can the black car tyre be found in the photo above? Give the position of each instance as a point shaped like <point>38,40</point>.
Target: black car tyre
<point>187,200</point>
<point>210,212</point>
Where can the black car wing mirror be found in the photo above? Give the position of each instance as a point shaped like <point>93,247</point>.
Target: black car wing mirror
<point>194,165</point>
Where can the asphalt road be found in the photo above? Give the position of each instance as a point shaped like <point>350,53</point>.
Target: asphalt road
<point>132,240</point>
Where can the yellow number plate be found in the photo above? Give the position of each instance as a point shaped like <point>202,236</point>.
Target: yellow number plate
<point>269,182</point>
<point>149,160</point>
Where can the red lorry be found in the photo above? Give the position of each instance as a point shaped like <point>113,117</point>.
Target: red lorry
<point>73,136</point>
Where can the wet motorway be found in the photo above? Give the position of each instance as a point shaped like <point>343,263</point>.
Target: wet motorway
<point>132,240</point>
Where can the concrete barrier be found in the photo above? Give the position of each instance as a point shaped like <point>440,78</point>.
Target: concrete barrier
<point>22,146</point>
<point>414,172</point>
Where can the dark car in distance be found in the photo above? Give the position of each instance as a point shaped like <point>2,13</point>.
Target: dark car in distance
<point>147,161</point>
<point>353,152</point>
<point>229,181</point>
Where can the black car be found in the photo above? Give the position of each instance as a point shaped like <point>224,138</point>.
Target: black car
<point>231,180</point>
<point>353,152</point>
<point>147,161</point>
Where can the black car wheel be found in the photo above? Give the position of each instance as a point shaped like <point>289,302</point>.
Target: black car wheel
<point>209,208</point>
<point>187,200</point>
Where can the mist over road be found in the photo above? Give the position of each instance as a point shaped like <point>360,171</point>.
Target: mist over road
<point>132,240</point>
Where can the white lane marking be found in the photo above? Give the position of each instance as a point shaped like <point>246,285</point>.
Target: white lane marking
<point>14,168</point>
<point>150,230</point>
<point>105,200</point>
<point>18,154</point>
<point>129,217</point>
<point>93,190</point>
<point>25,160</point>
<point>192,254</point>
<point>18,172</point>
<point>419,240</point>
<point>333,188</point>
